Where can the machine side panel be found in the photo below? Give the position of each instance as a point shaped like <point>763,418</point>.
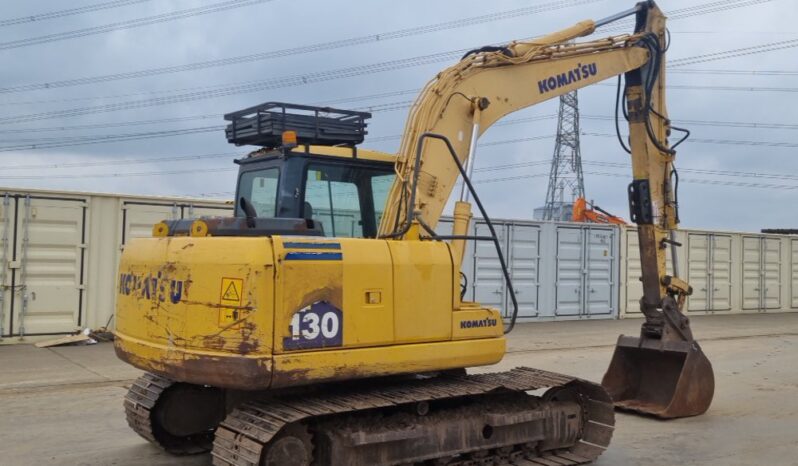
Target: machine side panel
<point>186,304</point>
<point>332,293</point>
<point>422,277</point>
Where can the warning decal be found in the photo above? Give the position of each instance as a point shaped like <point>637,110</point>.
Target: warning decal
<point>232,289</point>
<point>231,294</point>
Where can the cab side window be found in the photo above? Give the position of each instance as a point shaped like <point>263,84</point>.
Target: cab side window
<point>260,189</point>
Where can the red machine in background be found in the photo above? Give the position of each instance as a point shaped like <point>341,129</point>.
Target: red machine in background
<point>584,211</point>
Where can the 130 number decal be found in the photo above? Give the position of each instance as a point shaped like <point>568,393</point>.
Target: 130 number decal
<point>316,326</point>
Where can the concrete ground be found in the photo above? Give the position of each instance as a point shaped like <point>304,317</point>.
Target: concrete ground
<point>63,406</point>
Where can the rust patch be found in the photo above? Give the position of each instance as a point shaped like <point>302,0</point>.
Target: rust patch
<point>247,307</point>
<point>234,372</point>
<point>248,344</point>
<point>213,341</point>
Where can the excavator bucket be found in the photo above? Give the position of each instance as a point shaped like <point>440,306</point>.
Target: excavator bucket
<point>668,380</point>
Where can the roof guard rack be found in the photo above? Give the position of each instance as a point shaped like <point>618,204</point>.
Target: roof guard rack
<point>263,125</point>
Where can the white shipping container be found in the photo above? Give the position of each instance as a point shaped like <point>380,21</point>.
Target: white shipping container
<point>59,253</point>
<point>559,270</point>
<point>729,272</point>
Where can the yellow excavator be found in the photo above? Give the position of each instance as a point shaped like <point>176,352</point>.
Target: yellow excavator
<point>325,323</point>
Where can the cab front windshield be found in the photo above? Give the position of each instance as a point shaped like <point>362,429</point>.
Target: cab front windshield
<point>348,200</point>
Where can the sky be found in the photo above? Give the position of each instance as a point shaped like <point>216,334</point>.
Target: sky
<point>75,73</point>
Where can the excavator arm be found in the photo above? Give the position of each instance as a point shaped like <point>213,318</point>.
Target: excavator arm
<point>663,372</point>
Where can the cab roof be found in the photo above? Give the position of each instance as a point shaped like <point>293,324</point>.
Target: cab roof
<point>329,151</point>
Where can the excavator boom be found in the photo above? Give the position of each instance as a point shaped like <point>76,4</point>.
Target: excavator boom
<point>463,101</point>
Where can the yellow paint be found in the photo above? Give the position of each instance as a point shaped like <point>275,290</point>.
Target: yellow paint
<point>385,360</point>
<point>422,282</point>
<point>396,300</point>
<point>196,321</point>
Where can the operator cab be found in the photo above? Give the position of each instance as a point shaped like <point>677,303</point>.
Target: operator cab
<point>308,178</point>
<point>342,190</point>
<point>308,170</point>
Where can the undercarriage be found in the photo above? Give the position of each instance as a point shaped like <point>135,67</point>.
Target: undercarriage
<point>519,417</point>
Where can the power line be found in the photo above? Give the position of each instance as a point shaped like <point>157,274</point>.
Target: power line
<point>197,117</point>
<point>321,46</point>
<point>130,24</point>
<point>673,86</point>
<point>739,184</point>
<point>713,123</point>
<point>61,141</point>
<point>155,159</point>
<point>110,125</point>
<point>254,86</point>
<point>730,142</point>
<point>277,83</point>
<point>681,13</point>
<point>753,50</point>
<point>706,171</point>
<point>737,72</point>
<point>110,138</point>
<point>118,175</point>
<point>68,12</point>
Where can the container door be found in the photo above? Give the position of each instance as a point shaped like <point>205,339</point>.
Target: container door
<point>698,263</point>
<point>49,267</point>
<point>569,274</point>
<point>489,286</point>
<point>599,264</point>
<point>6,255</point>
<point>794,270</point>
<point>139,218</point>
<point>752,269</point>
<point>771,276</point>
<point>524,268</point>
<point>721,271</point>
<point>634,288</point>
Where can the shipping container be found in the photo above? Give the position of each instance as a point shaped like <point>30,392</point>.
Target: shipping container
<point>559,271</point>
<point>730,272</point>
<point>59,253</point>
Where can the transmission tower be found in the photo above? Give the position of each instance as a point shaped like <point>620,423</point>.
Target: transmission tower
<point>565,179</point>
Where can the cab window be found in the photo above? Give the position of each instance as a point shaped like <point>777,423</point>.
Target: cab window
<point>343,198</point>
<point>260,189</point>
<point>380,186</point>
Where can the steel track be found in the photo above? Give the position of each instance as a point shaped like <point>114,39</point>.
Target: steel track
<point>247,430</point>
